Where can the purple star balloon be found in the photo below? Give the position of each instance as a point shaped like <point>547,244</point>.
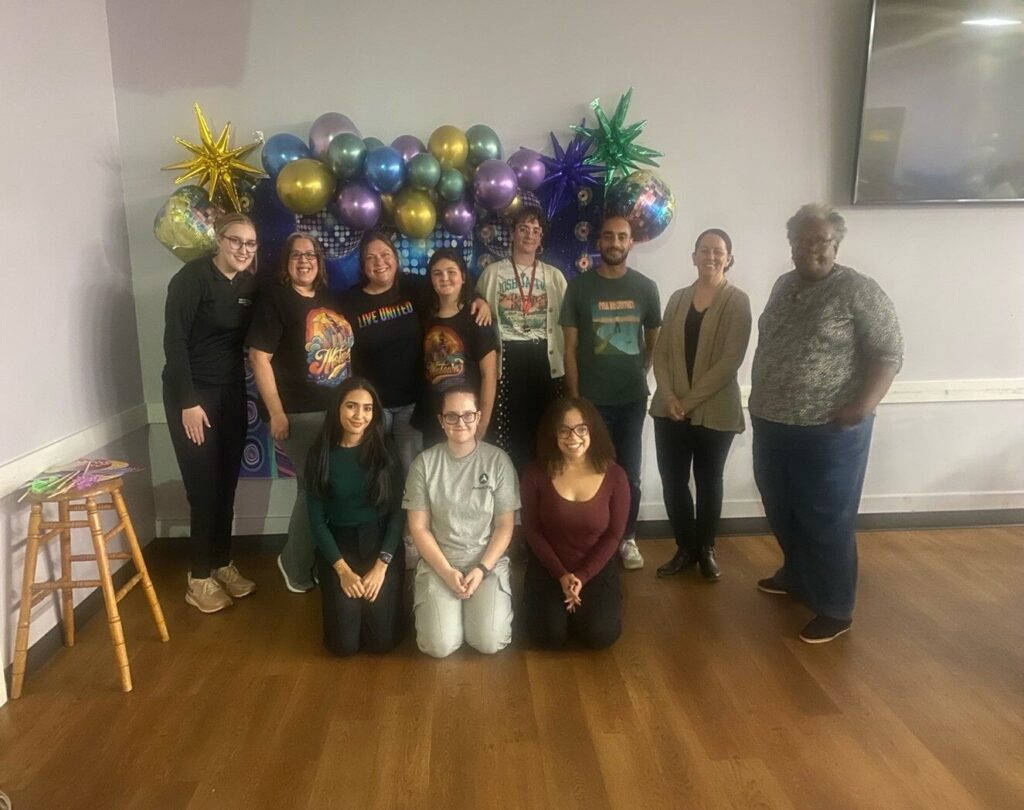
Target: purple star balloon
<point>567,172</point>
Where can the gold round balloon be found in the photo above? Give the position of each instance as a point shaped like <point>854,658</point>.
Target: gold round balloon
<point>387,209</point>
<point>513,207</point>
<point>304,186</point>
<point>449,145</point>
<point>415,214</point>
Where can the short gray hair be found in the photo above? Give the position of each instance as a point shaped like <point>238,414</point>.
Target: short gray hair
<point>816,212</point>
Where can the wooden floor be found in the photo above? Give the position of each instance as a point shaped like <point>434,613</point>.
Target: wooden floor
<point>708,700</point>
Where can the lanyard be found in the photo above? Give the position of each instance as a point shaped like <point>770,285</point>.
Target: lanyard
<point>527,298</point>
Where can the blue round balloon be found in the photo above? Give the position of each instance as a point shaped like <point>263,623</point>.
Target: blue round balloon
<point>280,150</point>
<point>385,169</point>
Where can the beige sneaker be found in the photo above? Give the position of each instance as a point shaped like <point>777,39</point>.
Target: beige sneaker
<point>207,595</point>
<point>234,583</point>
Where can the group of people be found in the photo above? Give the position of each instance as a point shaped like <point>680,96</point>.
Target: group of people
<point>421,413</point>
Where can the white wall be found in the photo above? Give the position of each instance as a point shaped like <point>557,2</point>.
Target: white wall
<point>71,370</point>
<point>755,105</point>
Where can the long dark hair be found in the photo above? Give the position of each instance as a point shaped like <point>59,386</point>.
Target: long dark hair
<point>601,452</point>
<point>374,455</point>
<point>286,253</point>
<point>465,294</point>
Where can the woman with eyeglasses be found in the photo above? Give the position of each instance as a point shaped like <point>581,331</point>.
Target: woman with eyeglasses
<point>456,349</point>
<point>575,506</point>
<point>209,303</point>
<point>386,312</point>
<point>461,497</point>
<point>300,349</point>
<point>696,406</point>
<point>355,492</point>
<point>526,296</point>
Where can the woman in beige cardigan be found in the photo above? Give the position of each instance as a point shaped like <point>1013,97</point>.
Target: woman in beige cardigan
<point>696,407</point>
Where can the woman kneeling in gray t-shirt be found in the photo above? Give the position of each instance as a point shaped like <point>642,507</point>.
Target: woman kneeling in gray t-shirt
<point>461,498</point>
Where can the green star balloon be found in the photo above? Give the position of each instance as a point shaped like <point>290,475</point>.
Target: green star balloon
<point>613,142</point>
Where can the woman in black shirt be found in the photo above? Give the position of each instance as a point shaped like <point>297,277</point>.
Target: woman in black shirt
<point>206,317</point>
<point>300,349</point>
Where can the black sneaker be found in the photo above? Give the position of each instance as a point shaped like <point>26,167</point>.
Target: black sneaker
<point>772,585</point>
<point>824,628</point>
<point>679,563</point>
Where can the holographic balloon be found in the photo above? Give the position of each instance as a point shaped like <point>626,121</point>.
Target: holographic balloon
<point>458,218</point>
<point>359,206</point>
<point>452,185</point>
<point>484,144</point>
<point>184,224</point>
<point>346,156</point>
<point>494,184</point>
<point>385,170</point>
<point>644,200</point>
<point>529,169</point>
<point>325,129</point>
<point>408,146</point>
<point>281,149</point>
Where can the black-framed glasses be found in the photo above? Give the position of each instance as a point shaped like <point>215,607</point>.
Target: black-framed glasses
<point>238,243</point>
<point>296,255</point>
<point>452,418</point>
<point>582,430</point>
<point>813,244</point>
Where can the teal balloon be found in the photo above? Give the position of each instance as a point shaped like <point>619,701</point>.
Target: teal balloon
<point>423,171</point>
<point>484,144</point>
<point>372,143</point>
<point>346,156</point>
<point>451,185</point>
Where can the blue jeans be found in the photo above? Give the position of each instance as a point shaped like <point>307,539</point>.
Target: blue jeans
<point>625,423</point>
<point>810,480</point>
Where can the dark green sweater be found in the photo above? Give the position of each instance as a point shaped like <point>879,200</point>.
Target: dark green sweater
<point>347,505</point>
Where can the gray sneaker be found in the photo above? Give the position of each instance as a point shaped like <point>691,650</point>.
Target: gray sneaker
<point>632,560</point>
<point>206,594</point>
<point>234,583</point>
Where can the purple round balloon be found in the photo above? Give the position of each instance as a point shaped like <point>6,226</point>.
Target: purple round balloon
<point>494,184</point>
<point>358,206</point>
<point>408,146</point>
<point>529,169</point>
<point>325,129</point>
<point>458,218</point>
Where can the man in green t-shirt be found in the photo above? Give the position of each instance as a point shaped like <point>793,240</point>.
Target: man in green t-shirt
<point>611,317</point>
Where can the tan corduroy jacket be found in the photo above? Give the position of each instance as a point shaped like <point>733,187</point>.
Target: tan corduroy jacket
<point>714,399</point>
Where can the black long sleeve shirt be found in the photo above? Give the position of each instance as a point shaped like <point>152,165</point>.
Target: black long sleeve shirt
<point>205,321</point>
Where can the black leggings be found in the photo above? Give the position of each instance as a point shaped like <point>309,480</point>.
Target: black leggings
<point>210,471</point>
<point>678,445</point>
<point>596,623</point>
<point>525,391</point>
<point>354,624</point>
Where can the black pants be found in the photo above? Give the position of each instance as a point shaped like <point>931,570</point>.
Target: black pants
<point>354,624</point>
<point>679,444</point>
<point>210,472</point>
<point>525,391</point>
<point>596,623</point>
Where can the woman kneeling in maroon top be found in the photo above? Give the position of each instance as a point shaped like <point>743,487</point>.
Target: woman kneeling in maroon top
<point>575,501</point>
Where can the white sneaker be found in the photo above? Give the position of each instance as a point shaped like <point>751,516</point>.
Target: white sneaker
<point>206,594</point>
<point>233,582</point>
<point>630,554</point>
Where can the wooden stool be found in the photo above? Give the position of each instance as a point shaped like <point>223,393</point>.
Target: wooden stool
<point>32,592</point>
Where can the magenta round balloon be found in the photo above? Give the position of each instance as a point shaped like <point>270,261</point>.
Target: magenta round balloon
<point>325,129</point>
<point>529,169</point>
<point>458,218</point>
<point>408,146</point>
<point>494,184</point>
<point>358,206</point>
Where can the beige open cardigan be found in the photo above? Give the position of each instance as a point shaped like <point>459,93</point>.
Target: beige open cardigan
<point>714,399</point>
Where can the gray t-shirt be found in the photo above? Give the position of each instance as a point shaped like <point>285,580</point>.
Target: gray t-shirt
<point>462,496</point>
<point>816,341</point>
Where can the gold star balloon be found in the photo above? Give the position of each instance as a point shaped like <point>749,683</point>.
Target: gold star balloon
<point>216,165</point>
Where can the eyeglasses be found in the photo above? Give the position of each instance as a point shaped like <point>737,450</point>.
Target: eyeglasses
<point>238,243</point>
<point>308,255</point>
<point>582,430</point>
<point>813,244</point>
<point>452,418</point>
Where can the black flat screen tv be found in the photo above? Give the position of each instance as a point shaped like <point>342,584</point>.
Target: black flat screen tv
<point>943,107</point>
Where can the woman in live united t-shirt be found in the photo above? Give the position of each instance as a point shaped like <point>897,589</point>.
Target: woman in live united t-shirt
<point>300,349</point>
<point>456,349</point>
<point>385,312</point>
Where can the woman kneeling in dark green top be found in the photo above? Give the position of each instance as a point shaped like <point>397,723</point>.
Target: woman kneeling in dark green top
<point>354,496</point>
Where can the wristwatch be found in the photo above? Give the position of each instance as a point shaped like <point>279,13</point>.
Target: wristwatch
<point>385,558</point>
<point>483,568</point>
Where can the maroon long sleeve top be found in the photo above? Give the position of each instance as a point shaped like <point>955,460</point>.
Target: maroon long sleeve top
<point>574,537</point>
